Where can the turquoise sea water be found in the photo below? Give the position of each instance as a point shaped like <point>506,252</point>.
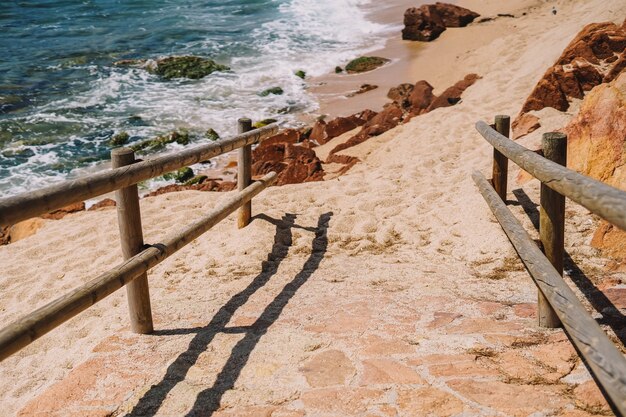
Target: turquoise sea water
<point>62,99</point>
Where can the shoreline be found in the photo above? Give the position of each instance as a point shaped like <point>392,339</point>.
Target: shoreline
<point>412,61</point>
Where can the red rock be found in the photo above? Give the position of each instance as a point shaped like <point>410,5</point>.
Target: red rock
<point>385,371</point>
<point>452,95</point>
<point>427,22</point>
<point>286,136</point>
<point>107,202</point>
<point>524,125</point>
<point>294,164</point>
<point>589,397</point>
<point>421,97</point>
<point>589,60</point>
<point>597,148</point>
<point>362,117</point>
<point>400,94</point>
<point>62,212</point>
<point>428,401</point>
<point>323,132</point>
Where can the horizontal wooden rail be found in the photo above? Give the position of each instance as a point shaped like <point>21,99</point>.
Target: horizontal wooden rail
<point>31,327</point>
<point>604,360</point>
<point>35,203</point>
<point>605,201</point>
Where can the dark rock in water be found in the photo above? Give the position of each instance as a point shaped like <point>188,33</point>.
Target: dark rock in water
<point>160,142</point>
<point>119,139</point>
<point>137,63</point>
<point>338,70</point>
<point>365,63</point>
<point>22,153</point>
<point>182,175</point>
<point>211,134</point>
<point>192,67</point>
<point>427,22</point>
<point>300,74</point>
<point>263,123</point>
<point>135,121</point>
<point>274,90</point>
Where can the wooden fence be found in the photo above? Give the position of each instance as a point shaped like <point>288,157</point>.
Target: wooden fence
<point>557,303</point>
<point>126,172</point>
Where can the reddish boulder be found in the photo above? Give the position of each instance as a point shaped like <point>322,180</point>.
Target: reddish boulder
<point>286,136</point>
<point>452,95</point>
<point>107,202</point>
<point>363,117</point>
<point>524,125</point>
<point>64,211</point>
<point>400,94</point>
<point>421,97</point>
<point>427,22</point>
<point>597,148</point>
<point>323,132</point>
<point>595,56</point>
<point>294,164</point>
<point>422,24</point>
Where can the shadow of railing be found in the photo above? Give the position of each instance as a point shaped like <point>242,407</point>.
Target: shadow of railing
<point>208,400</point>
<point>611,315</point>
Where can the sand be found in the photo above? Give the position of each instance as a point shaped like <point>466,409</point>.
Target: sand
<point>390,290</point>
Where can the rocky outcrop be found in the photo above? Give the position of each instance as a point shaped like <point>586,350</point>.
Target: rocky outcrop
<point>427,22</point>
<point>408,101</point>
<point>596,55</point>
<point>293,162</point>
<point>64,211</point>
<point>597,148</point>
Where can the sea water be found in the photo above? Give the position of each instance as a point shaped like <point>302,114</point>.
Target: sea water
<point>62,98</point>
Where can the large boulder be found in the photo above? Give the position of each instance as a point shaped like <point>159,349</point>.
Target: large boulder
<point>596,55</point>
<point>323,132</point>
<point>597,148</point>
<point>427,22</point>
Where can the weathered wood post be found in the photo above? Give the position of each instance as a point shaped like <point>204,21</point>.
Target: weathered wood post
<point>500,162</point>
<point>552,223</point>
<point>244,172</point>
<point>131,235</point>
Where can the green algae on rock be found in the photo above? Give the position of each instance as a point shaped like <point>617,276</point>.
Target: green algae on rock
<point>211,134</point>
<point>263,123</point>
<point>274,90</point>
<point>159,142</point>
<point>300,74</point>
<point>119,139</point>
<point>192,67</point>
<point>198,179</point>
<point>365,63</point>
<point>181,175</point>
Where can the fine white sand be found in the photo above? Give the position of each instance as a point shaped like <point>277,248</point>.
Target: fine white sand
<point>408,216</point>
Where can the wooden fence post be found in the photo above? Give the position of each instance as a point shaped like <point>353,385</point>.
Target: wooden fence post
<point>244,173</point>
<point>552,223</point>
<point>131,235</point>
<point>500,162</point>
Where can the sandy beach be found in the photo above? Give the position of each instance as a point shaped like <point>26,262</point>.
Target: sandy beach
<point>388,291</point>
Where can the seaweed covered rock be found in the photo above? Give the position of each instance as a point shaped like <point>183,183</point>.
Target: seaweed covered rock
<point>211,134</point>
<point>192,67</point>
<point>277,91</point>
<point>158,143</point>
<point>365,63</point>
<point>181,175</point>
<point>119,139</point>
<point>427,22</point>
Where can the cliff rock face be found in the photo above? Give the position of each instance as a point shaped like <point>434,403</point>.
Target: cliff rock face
<point>595,56</point>
<point>427,22</point>
<point>597,148</point>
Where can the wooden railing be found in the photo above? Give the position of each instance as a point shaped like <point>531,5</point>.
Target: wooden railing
<point>557,303</point>
<point>139,258</point>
